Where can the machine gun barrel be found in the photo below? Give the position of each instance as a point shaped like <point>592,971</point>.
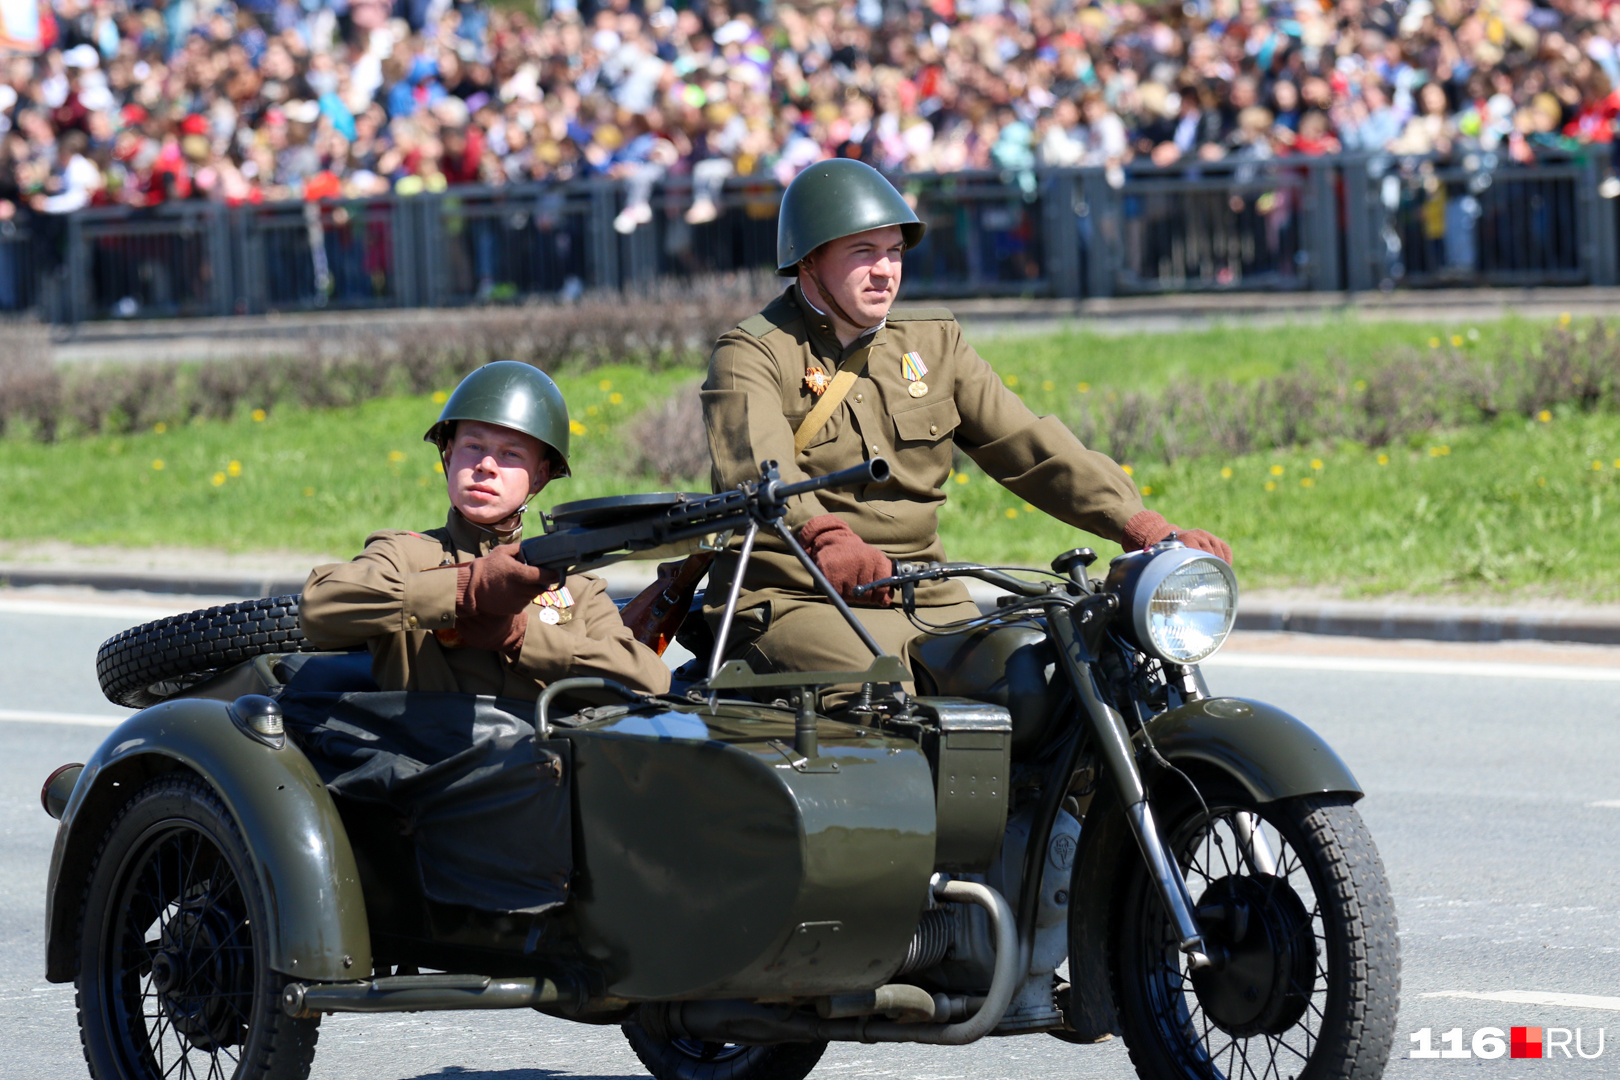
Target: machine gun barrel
<point>584,547</point>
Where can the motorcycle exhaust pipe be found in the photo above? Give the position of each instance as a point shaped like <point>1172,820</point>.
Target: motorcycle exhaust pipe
<point>425,993</point>
<point>747,1022</point>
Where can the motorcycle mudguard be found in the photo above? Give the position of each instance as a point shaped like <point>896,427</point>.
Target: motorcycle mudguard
<point>300,851</point>
<point>1269,753</point>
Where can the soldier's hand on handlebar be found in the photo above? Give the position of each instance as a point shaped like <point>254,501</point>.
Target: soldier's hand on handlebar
<point>846,559</point>
<point>1148,527</point>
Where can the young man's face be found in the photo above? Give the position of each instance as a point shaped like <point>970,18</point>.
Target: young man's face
<point>862,272</point>
<point>491,471</point>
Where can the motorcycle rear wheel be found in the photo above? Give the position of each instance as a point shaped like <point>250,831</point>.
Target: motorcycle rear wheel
<point>1308,978</point>
<point>688,1059</point>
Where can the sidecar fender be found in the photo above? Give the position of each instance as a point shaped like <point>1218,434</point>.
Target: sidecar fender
<point>300,851</point>
<point>1269,753</point>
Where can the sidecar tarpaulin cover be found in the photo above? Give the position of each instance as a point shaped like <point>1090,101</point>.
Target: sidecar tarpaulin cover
<point>484,803</point>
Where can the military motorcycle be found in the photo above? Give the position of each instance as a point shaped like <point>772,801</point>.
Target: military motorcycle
<point>1061,831</point>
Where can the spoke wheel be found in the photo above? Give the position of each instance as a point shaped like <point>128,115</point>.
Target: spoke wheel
<point>691,1059</point>
<point>1298,918</point>
<point>173,973</point>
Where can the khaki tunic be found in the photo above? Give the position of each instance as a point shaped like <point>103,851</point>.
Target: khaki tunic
<point>755,397</point>
<point>400,589</point>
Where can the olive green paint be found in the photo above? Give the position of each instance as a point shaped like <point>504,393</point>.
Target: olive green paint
<point>837,198</point>
<point>1272,754</point>
<point>300,851</point>
<point>514,395</point>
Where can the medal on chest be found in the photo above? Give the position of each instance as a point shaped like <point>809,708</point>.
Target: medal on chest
<point>913,368</point>
<point>816,380</point>
<point>556,605</point>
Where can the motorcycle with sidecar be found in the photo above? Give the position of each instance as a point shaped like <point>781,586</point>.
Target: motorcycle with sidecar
<point>1060,831</point>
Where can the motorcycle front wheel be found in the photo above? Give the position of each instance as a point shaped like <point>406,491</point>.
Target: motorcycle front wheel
<point>1300,925</point>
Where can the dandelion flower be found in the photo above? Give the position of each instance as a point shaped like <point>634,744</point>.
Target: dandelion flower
<point>961,478</point>
<point>1011,512</point>
<point>1307,481</point>
<point>1597,466</point>
<point>259,415</point>
<point>605,385</point>
<point>1083,387</point>
<point>1147,489</point>
<point>1028,509</point>
<point>615,398</point>
<point>1434,451</point>
<point>1361,385</point>
<point>234,468</point>
<point>439,398</point>
<point>1226,472</point>
<point>157,464</point>
<point>1383,459</point>
<point>1128,470</point>
<point>1617,462</point>
<point>218,479</point>
<point>160,427</point>
<point>396,456</point>
<point>1545,416</point>
<point>1276,470</point>
<point>591,410</point>
<point>1434,343</point>
<point>576,428</point>
<point>1456,341</point>
<point>1563,319</point>
<point>438,467</point>
<point>1316,463</point>
<point>1271,485</point>
<point>1541,481</point>
<point>308,492</point>
<point>1049,386</point>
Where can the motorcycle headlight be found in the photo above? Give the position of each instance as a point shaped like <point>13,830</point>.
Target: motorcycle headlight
<point>1181,604</point>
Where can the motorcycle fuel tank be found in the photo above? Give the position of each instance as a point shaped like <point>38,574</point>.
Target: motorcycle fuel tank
<point>1011,666</point>
<point>714,861</point>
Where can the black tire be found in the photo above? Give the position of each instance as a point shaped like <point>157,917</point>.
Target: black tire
<point>683,1059</point>
<point>174,976</point>
<point>1313,977</point>
<point>147,663</point>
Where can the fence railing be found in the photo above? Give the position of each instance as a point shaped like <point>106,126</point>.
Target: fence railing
<point>1323,224</point>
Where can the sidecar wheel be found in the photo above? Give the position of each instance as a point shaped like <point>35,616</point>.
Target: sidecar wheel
<point>174,978</point>
<point>687,1059</point>
<point>1302,926</point>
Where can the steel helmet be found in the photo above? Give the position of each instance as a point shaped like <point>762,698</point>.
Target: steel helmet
<point>514,395</point>
<point>836,198</point>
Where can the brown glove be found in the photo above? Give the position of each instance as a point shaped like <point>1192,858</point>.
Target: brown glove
<point>498,633</point>
<point>499,584</point>
<point>1148,527</point>
<point>845,558</point>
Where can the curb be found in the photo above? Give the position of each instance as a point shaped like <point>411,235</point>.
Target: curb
<point>1340,619</point>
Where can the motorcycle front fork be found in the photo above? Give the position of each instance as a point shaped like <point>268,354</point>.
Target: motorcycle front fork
<point>1114,740</point>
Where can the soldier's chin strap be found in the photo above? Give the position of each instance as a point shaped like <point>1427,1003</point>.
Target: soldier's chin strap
<point>826,297</point>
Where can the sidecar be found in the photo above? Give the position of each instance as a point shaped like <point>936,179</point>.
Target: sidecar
<point>627,852</point>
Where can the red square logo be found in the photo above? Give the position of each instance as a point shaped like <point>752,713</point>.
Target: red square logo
<point>1526,1042</point>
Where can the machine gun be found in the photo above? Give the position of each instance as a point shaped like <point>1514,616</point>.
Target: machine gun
<point>595,532</point>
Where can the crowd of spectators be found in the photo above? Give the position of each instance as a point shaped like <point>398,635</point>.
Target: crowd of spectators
<point>140,102</point>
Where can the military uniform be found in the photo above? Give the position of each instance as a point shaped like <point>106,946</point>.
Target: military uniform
<point>398,598</point>
<point>922,391</point>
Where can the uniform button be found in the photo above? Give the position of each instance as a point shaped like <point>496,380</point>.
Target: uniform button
<point>412,621</point>
<point>933,429</point>
<point>859,397</point>
<point>875,450</point>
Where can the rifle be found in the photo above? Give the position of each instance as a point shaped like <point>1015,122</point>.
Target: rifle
<point>657,611</point>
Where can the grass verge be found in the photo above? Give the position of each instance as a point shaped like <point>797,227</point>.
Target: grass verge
<point>1500,508</point>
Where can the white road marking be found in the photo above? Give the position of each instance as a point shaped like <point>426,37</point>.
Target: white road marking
<point>1392,666</point>
<point>131,614</point>
<point>25,716</point>
<point>1537,997</point>
<point>1608,804</point>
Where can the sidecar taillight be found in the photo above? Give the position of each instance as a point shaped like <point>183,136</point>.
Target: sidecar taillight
<point>58,786</point>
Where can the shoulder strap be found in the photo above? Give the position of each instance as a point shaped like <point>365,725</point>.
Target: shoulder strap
<point>834,397</point>
<point>442,535</point>
<point>777,313</point>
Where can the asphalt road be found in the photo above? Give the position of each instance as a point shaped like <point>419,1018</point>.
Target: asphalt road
<point>1495,800</point>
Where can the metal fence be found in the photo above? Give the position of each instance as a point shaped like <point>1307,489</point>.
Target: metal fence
<point>1356,223</point>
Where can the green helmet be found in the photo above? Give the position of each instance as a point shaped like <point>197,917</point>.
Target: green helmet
<point>836,198</point>
<point>514,395</point>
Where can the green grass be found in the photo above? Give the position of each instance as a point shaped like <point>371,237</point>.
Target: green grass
<point>1474,516</point>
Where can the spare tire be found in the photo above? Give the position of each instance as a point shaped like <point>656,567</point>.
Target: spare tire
<point>148,663</point>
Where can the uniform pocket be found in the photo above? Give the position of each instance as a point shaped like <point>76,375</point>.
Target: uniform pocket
<point>929,423</point>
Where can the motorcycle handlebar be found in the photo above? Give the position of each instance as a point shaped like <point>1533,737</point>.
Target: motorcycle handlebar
<point>914,572</point>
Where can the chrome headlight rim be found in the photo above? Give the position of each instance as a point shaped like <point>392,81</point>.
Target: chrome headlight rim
<point>1152,575</point>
